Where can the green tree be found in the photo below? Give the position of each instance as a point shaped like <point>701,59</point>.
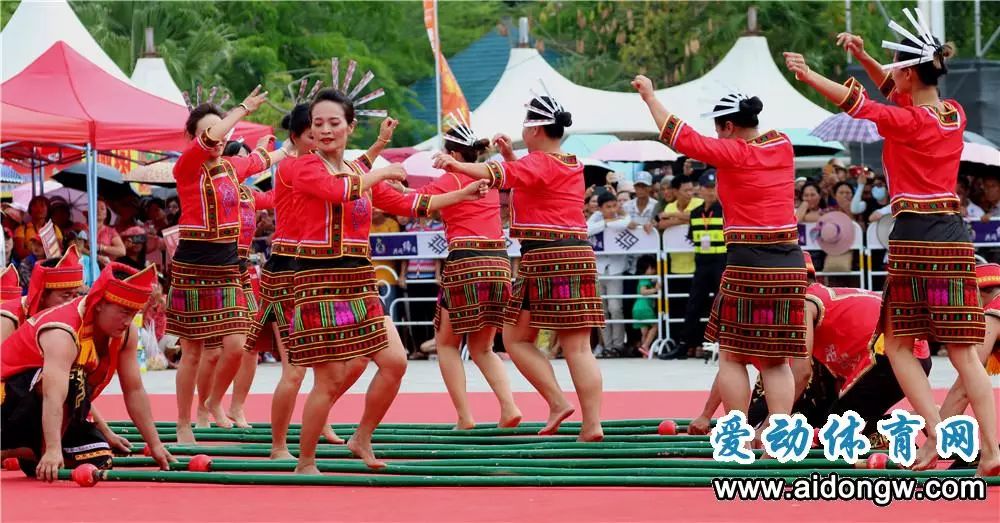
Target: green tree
<point>606,43</point>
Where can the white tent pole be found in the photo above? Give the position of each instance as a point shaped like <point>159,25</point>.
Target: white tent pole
<point>91,158</point>
<point>847,23</point>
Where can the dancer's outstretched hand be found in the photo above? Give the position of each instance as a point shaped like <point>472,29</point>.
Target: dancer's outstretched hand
<point>387,128</point>
<point>255,99</point>
<point>445,162</point>
<point>505,146</point>
<point>853,44</point>
<point>796,63</point>
<point>643,85</point>
<point>266,141</point>
<point>392,172</point>
<point>476,190</point>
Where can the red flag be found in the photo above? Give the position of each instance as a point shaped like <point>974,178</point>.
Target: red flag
<point>452,99</point>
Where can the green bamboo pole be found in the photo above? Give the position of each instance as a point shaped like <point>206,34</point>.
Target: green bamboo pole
<point>420,481</point>
<point>345,432</point>
<point>540,468</point>
<point>489,448</point>
<point>244,437</point>
<point>584,452</point>
<point>808,463</point>
<point>449,426</point>
<point>569,464</point>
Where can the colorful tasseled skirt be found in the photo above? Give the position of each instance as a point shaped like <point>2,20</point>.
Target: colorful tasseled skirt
<point>206,300</point>
<point>931,291</point>
<point>475,288</point>
<point>557,284</point>
<point>277,298</point>
<point>251,300</point>
<point>338,313</point>
<point>760,308</point>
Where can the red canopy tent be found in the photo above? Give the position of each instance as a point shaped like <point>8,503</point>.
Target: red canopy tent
<point>63,97</point>
<point>64,100</point>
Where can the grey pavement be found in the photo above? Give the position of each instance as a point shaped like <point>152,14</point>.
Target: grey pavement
<point>619,375</point>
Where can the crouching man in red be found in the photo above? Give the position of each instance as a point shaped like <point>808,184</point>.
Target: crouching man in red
<point>58,362</point>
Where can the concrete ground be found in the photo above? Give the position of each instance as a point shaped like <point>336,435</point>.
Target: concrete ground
<point>630,374</point>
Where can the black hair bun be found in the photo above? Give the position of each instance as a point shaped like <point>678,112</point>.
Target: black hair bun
<point>752,106</point>
<point>564,119</point>
<point>481,146</point>
<point>286,122</point>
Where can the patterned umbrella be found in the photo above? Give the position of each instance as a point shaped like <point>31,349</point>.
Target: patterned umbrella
<point>843,128</point>
<point>159,173</point>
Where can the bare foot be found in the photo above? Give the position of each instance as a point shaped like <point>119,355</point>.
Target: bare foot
<point>927,456</point>
<point>331,437</point>
<point>185,436</point>
<point>556,417</point>
<point>591,434</point>
<point>510,419</point>
<point>307,468</point>
<point>221,420</point>
<point>281,454</point>
<point>988,468</point>
<point>364,451</point>
<point>202,420</point>
<point>465,424</point>
<point>239,419</point>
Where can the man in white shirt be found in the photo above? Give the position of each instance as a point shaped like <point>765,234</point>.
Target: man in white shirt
<point>641,210</point>
<point>608,221</point>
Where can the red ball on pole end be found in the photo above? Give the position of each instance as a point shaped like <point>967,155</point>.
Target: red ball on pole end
<point>200,463</point>
<point>667,428</point>
<point>146,451</point>
<point>816,441</point>
<point>85,475</point>
<point>11,464</point>
<point>877,461</point>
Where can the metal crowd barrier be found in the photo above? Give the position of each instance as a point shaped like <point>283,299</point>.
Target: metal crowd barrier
<point>985,235</point>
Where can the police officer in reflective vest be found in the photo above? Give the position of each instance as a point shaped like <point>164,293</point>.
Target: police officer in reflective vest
<point>709,261</point>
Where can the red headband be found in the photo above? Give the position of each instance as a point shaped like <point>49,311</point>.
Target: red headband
<point>67,274</point>
<point>10,286</point>
<point>988,276</point>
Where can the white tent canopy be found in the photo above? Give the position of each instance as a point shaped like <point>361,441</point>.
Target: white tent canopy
<point>151,75</point>
<point>748,66</point>
<point>36,25</point>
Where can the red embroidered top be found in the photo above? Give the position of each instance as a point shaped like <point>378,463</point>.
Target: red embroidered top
<point>756,181</point>
<point>209,195</point>
<point>335,216</point>
<point>251,201</point>
<point>285,239</point>
<point>22,353</point>
<point>843,331</point>
<point>546,195</point>
<point>473,220</point>
<point>922,149</point>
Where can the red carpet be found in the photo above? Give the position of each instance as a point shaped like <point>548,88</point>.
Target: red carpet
<point>28,500</point>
